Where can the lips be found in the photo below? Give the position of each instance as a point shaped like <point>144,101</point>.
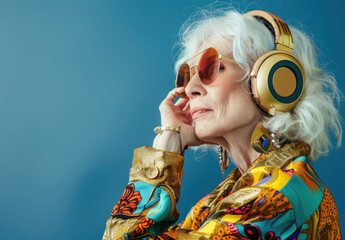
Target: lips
<point>196,112</point>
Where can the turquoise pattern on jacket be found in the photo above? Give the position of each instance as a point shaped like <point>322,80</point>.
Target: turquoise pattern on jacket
<point>298,189</point>
<point>154,196</point>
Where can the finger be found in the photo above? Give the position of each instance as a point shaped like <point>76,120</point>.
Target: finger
<point>181,102</point>
<point>172,95</point>
<point>177,90</point>
<point>184,104</point>
<point>186,107</point>
<point>188,116</point>
<point>182,92</point>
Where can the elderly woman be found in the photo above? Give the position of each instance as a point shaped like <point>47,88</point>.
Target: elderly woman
<point>246,86</point>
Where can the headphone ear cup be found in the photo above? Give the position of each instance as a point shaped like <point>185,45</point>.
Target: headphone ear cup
<point>277,81</point>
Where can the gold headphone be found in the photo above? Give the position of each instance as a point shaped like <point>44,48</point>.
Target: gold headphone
<point>277,77</point>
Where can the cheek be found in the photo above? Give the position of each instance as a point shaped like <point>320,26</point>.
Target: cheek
<point>238,110</point>
<point>229,102</point>
<point>217,123</point>
<point>233,108</point>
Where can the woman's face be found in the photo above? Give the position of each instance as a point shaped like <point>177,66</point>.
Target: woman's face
<point>223,106</point>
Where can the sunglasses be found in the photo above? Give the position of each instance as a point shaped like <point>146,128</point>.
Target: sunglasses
<point>207,68</point>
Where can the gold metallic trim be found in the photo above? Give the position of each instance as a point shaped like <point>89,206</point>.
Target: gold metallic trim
<point>158,167</point>
<point>185,71</point>
<point>283,38</point>
<point>260,88</point>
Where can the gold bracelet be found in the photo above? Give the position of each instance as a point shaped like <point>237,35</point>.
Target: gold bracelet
<point>162,129</point>
<point>159,130</point>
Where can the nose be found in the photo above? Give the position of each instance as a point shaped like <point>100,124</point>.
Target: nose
<point>195,87</point>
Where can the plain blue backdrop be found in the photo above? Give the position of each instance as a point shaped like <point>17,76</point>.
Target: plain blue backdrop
<point>80,86</point>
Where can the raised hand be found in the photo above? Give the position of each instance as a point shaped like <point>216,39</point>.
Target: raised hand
<point>176,115</point>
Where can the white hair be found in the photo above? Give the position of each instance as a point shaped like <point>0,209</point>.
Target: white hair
<point>314,116</point>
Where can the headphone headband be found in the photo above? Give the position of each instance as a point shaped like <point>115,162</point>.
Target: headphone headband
<point>282,39</point>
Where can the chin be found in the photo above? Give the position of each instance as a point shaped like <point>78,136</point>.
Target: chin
<point>205,133</point>
<point>201,132</point>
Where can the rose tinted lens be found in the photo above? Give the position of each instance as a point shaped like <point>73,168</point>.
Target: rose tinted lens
<point>183,76</point>
<point>208,66</point>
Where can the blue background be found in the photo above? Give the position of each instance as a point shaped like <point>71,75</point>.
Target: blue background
<point>80,86</point>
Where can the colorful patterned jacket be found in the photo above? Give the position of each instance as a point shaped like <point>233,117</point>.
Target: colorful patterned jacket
<point>279,197</point>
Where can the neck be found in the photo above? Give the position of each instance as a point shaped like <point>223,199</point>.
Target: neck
<point>238,144</point>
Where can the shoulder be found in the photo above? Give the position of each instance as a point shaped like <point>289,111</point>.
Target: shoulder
<point>270,200</point>
<point>298,184</point>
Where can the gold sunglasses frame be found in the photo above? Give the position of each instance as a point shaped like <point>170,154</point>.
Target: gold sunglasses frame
<point>220,58</point>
